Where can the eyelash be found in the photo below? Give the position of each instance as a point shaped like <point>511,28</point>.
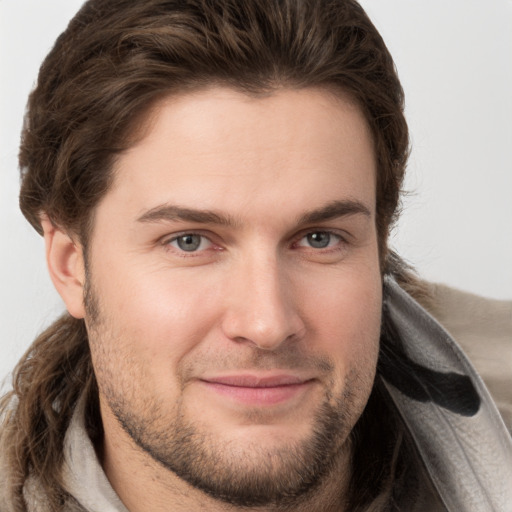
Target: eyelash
<point>340,241</point>
<point>167,242</point>
<point>332,234</point>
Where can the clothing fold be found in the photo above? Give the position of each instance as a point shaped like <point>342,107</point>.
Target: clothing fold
<point>453,420</point>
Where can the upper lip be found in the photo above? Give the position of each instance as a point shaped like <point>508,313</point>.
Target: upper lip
<point>257,381</point>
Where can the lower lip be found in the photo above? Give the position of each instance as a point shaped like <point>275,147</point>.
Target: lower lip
<point>259,396</point>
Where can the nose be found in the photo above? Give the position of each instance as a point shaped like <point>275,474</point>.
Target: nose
<point>262,305</point>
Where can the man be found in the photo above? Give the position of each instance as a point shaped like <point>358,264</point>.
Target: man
<point>215,182</point>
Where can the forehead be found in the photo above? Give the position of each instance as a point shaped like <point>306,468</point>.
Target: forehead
<point>222,145</point>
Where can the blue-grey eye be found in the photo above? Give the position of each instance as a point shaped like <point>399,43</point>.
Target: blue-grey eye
<point>319,239</point>
<point>188,242</point>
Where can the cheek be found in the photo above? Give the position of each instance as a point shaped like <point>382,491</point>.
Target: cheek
<point>157,317</point>
<point>346,315</point>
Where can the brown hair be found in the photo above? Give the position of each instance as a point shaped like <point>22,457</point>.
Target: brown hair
<point>114,61</point>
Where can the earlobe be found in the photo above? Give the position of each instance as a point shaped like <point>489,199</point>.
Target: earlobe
<point>65,262</point>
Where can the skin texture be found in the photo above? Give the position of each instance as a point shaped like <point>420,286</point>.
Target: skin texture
<point>234,361</point>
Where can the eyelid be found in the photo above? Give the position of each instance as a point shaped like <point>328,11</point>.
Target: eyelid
<point>341,235</point>
<point>168,239</point>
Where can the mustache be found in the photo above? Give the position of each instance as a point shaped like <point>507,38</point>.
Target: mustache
<point>258,359</point>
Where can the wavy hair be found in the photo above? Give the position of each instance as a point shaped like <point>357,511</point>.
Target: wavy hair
<point>113,63</point>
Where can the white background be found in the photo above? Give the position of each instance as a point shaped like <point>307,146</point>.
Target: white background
<point>454,58</point>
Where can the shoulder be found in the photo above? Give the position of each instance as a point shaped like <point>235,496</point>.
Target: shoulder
<point>483,328</point>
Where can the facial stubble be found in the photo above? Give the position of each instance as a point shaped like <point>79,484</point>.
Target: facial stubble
<point>241,474</point>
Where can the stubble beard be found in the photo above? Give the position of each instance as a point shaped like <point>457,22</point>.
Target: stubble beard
<point>249,474</point>
<point>239,474</point>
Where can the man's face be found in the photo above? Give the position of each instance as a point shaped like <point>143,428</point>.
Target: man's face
<point>235,285</point>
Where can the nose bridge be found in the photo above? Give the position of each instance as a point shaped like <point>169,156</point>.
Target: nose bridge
<point>262,307</point>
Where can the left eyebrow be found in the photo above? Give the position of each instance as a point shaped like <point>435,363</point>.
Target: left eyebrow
<point>334,210</point>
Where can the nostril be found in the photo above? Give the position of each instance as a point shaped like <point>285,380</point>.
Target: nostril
<point>261,307</point>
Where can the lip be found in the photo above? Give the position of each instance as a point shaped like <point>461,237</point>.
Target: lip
<point>258,390</point>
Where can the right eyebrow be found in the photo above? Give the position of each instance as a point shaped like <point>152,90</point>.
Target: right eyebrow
<point>170,213</point>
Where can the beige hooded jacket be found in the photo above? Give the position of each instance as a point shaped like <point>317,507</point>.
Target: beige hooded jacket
<point>483,328</point>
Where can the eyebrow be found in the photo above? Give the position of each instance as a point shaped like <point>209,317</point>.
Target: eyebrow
<point>334,210</point>
<point>170,213</point>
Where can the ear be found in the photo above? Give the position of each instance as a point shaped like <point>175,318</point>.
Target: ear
<point>66,266</point>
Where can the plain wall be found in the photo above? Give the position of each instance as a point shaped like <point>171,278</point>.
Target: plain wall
<point>455,61</point>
